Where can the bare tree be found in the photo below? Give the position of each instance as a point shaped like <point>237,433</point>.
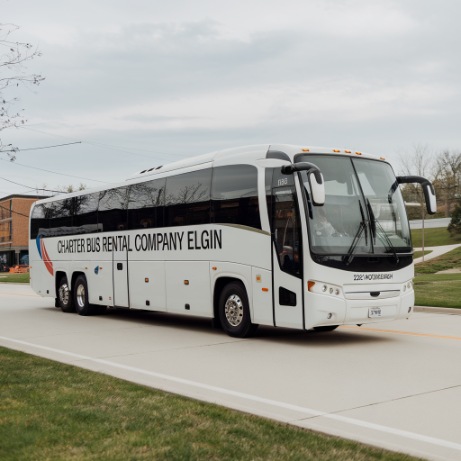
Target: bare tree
<point>418,163</point>
<point>447,179</point>
<point>13,57</point>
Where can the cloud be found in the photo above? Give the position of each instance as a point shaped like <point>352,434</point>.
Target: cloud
<point>183,77</point>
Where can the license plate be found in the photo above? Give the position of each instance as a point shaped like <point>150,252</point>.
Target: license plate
<point>374,312</point>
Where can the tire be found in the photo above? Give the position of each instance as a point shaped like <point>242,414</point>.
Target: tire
<point>81,304</point>
<point>64,297</point>
<point>234,311</point>
<point>326,328</point>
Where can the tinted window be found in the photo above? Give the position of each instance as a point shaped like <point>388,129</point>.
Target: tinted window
<point>187,198</point>
<point>38,221</point>
<point>234,195</point>
<point>146,205</point>
<point>285,223</point>
<point>85,218</point>
<point>113,206</point>
<point>59,216</point>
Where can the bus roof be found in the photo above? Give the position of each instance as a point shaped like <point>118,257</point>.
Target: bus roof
<point>244,154</point>
<point>250,153</point>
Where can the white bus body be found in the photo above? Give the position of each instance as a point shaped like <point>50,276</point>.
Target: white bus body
<point>239,236</point>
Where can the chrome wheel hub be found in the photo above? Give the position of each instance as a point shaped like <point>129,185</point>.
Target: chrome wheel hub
<point>81,296</point>
<point>64,293</point>
<point>233,310</point>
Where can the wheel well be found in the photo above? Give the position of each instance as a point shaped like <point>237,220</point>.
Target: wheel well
<point>58,277</point>
<point>60,274</point>
<point>218,287</point>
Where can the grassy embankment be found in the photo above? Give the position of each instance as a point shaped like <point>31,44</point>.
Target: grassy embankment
<point>433,289</point>
<point>9,277</point>
<point>433,237</point>
<point>54,411</point>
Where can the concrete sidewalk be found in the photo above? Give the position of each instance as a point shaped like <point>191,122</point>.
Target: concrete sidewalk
<point>437,310</point>
<point>435,252</point>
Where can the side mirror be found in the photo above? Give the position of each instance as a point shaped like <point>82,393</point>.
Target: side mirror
<point>317,186</point>
<point>428,189</point>
<point>429,195</point>
<point>314,177</point>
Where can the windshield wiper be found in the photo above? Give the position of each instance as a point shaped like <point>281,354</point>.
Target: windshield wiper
<point>382,233</point>
<point>373,220</point>
<point>347,259</point>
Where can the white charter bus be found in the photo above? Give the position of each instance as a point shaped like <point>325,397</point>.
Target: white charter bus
<point>280,235</point>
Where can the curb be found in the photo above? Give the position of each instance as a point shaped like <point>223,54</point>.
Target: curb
<point>437,310</point>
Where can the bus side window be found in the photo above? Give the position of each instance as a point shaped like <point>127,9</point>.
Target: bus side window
<point>85,216</point>
<point>112,211</point>
<point>187,198</point>
<point>234,195</point>
<point>38,221</point>
<point>147,203</point>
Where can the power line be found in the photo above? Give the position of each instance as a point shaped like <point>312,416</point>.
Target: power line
<point>53,172</point>
<point>16,150</point>
<point>108,146</point>
<point>12,211</point>
<point>50,147</point>
<point>31,188</point>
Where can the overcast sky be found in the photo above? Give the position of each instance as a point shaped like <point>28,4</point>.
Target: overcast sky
<point>145,82</point>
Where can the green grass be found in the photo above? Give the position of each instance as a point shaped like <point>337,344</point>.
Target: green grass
<point>450,260</point>
<point>439,290</point>
<point>8,277</point>
<point>433,237</point>
<point>418,254</point>
<point>53,411</point>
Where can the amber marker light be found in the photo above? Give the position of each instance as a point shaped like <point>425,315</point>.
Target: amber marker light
<point>214,268</point>
<point>358,153</point>
<point>265,290</point>
<point>348,151</point>
<point>382,158</point>
<point>310,285</point>
<point>258,278</point>
<point>186,282</point>
<point>305,149</point>
<point>146,280</point>
<point>336,151</point>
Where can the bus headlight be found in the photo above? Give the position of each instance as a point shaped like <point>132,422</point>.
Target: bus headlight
<point>323,288</point>
<point>407,286</point>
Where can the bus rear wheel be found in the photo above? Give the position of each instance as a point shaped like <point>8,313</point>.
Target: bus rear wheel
<point>82,306</point>
<point>65,295</point>
<point>234,311</point>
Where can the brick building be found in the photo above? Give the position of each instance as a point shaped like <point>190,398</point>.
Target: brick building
<point>14,228</point>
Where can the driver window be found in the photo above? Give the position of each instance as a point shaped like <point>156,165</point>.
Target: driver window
<point>287,236</point>
<point>284,220</point>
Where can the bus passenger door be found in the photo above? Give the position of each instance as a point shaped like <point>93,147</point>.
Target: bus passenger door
<point>286,257</point>
<point>120,278</point>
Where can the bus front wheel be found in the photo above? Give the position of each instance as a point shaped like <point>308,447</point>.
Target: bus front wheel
<point>234,311</point>
<point>82,306</point>
<point>65,295</point>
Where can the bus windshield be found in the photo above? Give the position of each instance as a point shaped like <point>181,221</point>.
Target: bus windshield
<point>363,213</point>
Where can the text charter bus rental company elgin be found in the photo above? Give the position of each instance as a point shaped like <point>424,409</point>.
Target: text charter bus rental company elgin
<point>273,235</point>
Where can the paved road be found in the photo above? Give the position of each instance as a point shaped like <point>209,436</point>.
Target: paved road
<point>430,223</point>
<point>395,385</point>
